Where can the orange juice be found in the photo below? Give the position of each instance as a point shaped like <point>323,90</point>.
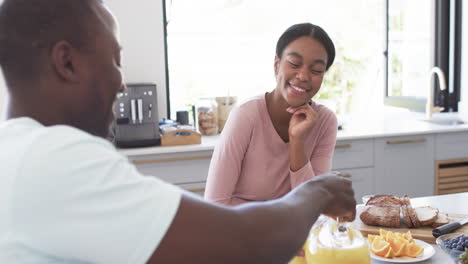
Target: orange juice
<point>328,246</point>
<point>323,255</point>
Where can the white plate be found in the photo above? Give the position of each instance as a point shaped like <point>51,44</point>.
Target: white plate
<point>428,252</point>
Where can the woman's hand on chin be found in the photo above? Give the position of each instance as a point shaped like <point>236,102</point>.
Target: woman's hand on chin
<point>302,120</point>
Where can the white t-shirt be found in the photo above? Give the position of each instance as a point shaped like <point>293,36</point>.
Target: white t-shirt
<point>69,197</point>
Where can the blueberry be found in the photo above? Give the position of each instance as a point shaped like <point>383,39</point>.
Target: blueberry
<point>460,248</point>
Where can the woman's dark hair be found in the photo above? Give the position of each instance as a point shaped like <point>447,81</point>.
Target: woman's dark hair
<point>309,30</point>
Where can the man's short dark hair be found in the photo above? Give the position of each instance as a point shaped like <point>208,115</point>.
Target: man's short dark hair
<point>29,29</point>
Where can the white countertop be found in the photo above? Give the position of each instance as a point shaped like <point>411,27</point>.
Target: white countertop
<point>395,124</point>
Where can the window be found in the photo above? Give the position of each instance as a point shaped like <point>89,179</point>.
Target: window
<point>227,47</point>
<point>422,34</point>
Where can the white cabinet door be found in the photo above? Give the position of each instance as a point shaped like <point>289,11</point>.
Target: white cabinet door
<point>405,165</point>
<point>177,168</point>
<point>451,146</point>
<point>363,181</point>
<point>353,154</point>
<point>197,188</point>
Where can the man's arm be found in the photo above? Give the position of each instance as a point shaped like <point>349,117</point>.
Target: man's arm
<point>261,232</point>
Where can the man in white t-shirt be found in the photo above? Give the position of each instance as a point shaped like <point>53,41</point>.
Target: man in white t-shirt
<point>67,196</point>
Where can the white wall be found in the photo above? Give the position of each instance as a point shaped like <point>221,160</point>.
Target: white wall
<point>142,38</point>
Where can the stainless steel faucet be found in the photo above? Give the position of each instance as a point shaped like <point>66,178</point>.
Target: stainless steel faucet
<point>430,108</point>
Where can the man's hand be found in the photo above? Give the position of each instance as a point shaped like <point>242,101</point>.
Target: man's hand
<point>338,196</point>
<point>302,119</point>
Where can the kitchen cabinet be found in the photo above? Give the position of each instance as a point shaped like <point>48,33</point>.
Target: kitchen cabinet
<point>451,153</point>
<point>355,160</point>
<point>362,179</point>
<point>186,170</point>
<point>451,146</point>
<point>410,164</point>
<point>404,165</point>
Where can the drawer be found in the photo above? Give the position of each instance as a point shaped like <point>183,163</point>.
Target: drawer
<point>197,188</point>
<point>175,169</point>
<point>363,181</point>
<point>451,146</point>
<point>451,176</point>
<point>353,154</point>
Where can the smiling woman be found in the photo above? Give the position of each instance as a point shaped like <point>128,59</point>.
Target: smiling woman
<point>286,138</point>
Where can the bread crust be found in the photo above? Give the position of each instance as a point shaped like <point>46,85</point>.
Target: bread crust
<point>433,213</point>
<point>405,212</point>
<point>382,210</point>
<point>387,216</point>
<point>442,219</point>
<point>411,212</point>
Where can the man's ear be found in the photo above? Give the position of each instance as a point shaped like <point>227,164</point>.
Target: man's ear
<point>276,65</point>
<point>64,61</point>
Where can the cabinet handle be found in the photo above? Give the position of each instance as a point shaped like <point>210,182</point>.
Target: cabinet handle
<point>171,159</point>
<point>196,190</point>
<point>346,175</point>
<point>396,142</point>
<point>343,146</point>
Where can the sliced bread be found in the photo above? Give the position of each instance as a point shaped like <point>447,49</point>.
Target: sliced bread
<point>404,210</point>
<point>442,219</point>
<point>426,215</point>
<point>411,212</point>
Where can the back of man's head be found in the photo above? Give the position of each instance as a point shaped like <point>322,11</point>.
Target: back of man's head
<point>29,28</point>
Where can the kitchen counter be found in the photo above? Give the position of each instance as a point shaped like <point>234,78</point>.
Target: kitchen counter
<point>396,124</point>
<point>450,203</point>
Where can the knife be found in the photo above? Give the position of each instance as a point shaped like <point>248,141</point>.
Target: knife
<point>447,228</point>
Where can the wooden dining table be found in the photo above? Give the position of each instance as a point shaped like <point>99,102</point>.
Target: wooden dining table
<point>449,203</point>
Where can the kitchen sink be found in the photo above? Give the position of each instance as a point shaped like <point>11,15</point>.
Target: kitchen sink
<point>446,122</point>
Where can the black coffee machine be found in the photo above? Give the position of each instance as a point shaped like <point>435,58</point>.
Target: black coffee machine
<point>136,112</point>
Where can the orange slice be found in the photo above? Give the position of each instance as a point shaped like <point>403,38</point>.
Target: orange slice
<point>371,238</point>
<point>408,236</point>
<point>383,232</point>
<point>390,253</point>
<point>380,246</point>
<point>413,250</point>
<point>402,244</point>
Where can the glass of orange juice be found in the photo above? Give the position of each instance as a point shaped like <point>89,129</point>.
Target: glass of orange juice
<point>331,242</point>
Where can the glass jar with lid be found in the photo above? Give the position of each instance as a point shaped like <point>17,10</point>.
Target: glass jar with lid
<point>332,242</point>
<point>207,116</point>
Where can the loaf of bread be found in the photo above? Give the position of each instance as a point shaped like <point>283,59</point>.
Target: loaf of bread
<point>386,210</point>
<point>382,210</point>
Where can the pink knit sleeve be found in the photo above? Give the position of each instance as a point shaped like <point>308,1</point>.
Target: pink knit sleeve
<point>226,163</point>
<point>321,159</point>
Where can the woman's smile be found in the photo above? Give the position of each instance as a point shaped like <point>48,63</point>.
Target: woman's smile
<point>296,89</point>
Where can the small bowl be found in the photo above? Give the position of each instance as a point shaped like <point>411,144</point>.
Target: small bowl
<point>453,253</point>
